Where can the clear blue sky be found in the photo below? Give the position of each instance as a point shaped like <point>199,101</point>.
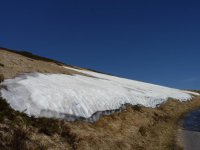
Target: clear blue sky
<point>147,40</point>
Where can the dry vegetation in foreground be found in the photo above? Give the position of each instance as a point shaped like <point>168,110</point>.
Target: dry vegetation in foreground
<point>136,128</point>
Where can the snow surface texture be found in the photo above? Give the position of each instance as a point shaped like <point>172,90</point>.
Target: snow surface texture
<point>66,96</point>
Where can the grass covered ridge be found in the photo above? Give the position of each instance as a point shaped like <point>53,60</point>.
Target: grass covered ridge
<point>135,128</point>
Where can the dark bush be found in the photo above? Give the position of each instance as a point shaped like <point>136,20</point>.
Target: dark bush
<point>19,138</point>
<point>5,110</point>
<point>1,65</point>
<point>143,131</point>
<point>160,117</point>
<point>1,78</point>
<point>47,126</point>
<point>137,107</point>
<point>3,105</point>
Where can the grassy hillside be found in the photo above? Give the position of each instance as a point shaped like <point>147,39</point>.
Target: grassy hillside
<point>40,58</point>
<point>32,56</point>
<point>135,128</point>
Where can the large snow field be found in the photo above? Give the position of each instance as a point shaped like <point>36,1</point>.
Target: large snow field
<point>58,95</point>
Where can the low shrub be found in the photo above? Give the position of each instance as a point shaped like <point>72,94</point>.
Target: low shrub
<point>47,126</point>
<point>1,65</point>
<point>137,108</point>
<point>143,130</point>
<point>5,110</point>
<point>1,78</point>
<point>19,138</point>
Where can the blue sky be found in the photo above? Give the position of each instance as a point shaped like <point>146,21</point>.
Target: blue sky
<point>151,41</point>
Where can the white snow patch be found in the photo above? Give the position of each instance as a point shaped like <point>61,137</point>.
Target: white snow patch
<point>58,95</point>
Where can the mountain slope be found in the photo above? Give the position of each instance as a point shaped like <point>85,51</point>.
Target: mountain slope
<point>73,96</point>
<point>82,93</point>
<point>136,127</point>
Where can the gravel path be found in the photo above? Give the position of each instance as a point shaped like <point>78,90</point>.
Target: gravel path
<point>189,140</point>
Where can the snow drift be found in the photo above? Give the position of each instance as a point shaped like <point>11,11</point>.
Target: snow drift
<point>79,96</point>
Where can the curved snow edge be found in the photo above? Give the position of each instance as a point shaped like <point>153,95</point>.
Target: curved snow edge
<point>60,95</point>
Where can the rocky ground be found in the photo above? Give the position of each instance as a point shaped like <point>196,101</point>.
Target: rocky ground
<point>136,127</point>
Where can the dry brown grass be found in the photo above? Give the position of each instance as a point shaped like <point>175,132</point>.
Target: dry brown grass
<point>136,128</point>
<point>144,128</point>
<point>15,64</point>
<point>132,129</point>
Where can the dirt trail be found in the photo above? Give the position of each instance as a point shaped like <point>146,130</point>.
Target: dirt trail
<point>189,140</point>
<point>189,132</point>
